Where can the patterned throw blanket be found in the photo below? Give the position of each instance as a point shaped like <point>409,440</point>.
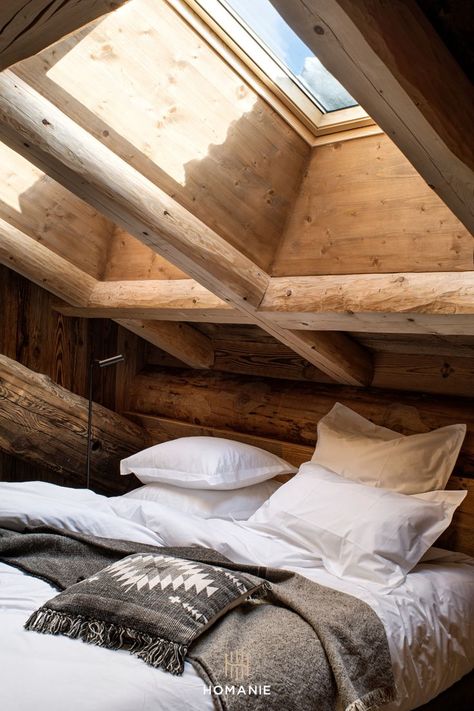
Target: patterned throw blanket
<point>260,638</point>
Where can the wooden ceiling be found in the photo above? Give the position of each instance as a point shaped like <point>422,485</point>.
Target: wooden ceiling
<point>146,181</point>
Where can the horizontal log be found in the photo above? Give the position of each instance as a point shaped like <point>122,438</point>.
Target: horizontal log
<point>441,302</point>
<point>28,27</point>
<point>162,299</point>
<point>180,340</point>
<point>288,410</point>
<point>430,293</point>
<point>44,423</point>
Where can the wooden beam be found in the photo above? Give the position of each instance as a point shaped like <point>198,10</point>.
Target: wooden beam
<point>437,302</point>
<point>45,423</point>
<point>42,133</point>
<point>40,265</point>
<point>184,342</point>
<point>28,27</point>
<point>164,299</point>
<point>389,57</point>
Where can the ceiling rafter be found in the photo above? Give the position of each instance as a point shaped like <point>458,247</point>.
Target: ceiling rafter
<point>380,51</point>
<point>44,135</point>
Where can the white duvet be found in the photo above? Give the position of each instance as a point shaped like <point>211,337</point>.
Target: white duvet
<point>429,620</point>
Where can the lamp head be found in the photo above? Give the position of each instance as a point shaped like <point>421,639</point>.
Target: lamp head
<point>109,361</point>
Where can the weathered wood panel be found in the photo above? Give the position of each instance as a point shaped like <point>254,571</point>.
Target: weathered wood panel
<point>45,423</point>
<point>191,125</point>
<point>363,208</point>
<point>44,341</point>
<point>289,410</point>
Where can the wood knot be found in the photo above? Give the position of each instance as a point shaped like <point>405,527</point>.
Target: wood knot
<point>288,292</point>
<point>45,122</point>
<point>318,29</point>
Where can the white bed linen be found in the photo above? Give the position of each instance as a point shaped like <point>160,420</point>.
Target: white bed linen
<point>429,619</point>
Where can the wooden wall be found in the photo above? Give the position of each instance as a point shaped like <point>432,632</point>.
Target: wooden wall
<point>36,336</point>
<point>363,208</point>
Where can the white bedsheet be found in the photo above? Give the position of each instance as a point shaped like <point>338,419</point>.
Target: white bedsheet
<point>429,620</point>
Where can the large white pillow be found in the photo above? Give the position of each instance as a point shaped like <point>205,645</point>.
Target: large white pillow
<point>355,448</point>
<point>205,463</point>
<point>360,532</point>
<point>236,504</point>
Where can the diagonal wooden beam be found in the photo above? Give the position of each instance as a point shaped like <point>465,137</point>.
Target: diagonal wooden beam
<point>178,339</point>
<point>43,134</point>
<point>389,57</point>
<point>28,26</point>
<point>40,265</point>
<point>55,274</point>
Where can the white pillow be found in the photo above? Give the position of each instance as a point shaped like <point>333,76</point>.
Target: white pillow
<point>360,532</point>
<point>355,448</point>
<point>237,504</point>
<point>205,463</point>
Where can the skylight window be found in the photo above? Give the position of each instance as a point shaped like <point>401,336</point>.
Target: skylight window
<point>264,36</point>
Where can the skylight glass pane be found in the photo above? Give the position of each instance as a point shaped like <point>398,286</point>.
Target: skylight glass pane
<point>306,69</point>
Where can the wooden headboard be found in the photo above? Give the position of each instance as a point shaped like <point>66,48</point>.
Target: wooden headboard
<point>459,536</point>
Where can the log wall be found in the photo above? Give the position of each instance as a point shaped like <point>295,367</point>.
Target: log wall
<point>46,342</point>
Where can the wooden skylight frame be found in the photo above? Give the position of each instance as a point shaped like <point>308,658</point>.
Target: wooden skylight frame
<point>256,66</point>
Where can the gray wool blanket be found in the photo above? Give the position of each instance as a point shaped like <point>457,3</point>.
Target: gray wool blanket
<point>260,638</point>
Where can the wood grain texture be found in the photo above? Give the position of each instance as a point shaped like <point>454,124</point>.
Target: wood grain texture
<point>42,266</point>
<point>192,126</point>
<point>363,208</point>
<point>95,173</point>
<point>459,536</point>
<point>289,410</point>
<point>41,208</point>
<point>391,60</point>
<point>399,303</point>
<point>180,340</point>
<point>29,26</point>
<point>43,422</point>
<point>130,259</point>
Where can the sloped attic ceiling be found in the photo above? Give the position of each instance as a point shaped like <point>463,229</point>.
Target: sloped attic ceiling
<point>206,203</point>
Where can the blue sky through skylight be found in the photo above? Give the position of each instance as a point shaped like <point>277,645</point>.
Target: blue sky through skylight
<point>271,28</point>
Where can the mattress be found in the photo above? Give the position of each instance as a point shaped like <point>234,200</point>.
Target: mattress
<point>429,623</point>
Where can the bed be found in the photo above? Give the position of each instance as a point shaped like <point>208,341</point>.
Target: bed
<point>428,620</point>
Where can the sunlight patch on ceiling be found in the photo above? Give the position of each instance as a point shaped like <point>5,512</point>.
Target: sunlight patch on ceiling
<point>148,78</point>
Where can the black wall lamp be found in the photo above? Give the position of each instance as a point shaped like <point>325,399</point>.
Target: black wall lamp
<point>100,364</point>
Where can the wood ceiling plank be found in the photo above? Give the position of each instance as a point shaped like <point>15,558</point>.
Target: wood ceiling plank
<point>389,57</point>
<point>42,133</point>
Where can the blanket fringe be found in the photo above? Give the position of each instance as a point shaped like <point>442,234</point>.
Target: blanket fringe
<point>373,700</point>
<point>155,651</point>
